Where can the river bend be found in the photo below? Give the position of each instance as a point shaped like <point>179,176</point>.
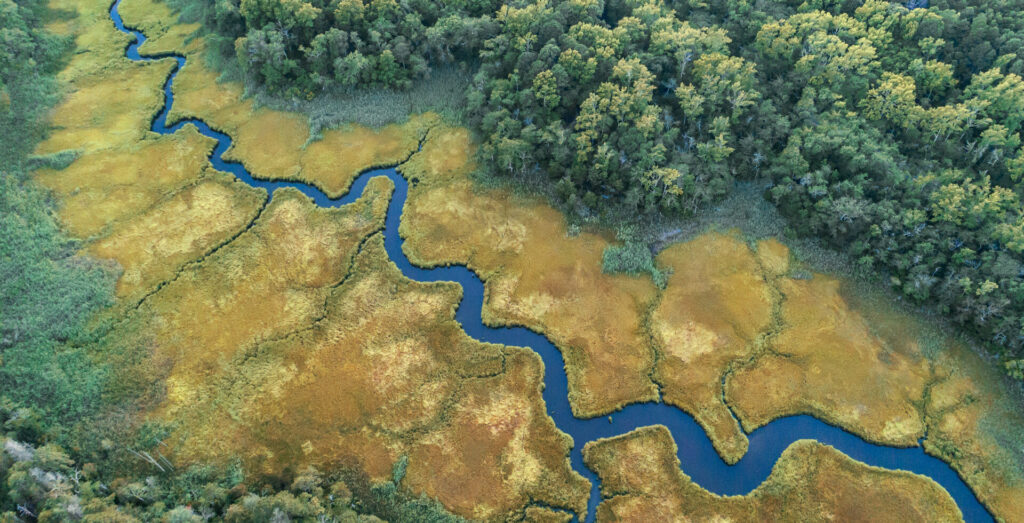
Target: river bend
<point>697,456</point>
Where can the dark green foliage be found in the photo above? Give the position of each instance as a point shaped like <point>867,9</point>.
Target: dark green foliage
<point>388,501</point>
<point>46,290</point>
<point>894,133</point>
<point>633,258</point>
<point>299,48</point>
<point>643,111</point>
<point>28,57</point>
<point>902,165</point>
<point>40,481</point>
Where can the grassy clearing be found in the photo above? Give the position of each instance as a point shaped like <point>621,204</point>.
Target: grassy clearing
<point>717,303</point>
<point>122,182</point>
<point>536,273</point>
<point>820,362</point>
<point>972,425</point>
<point>811,482</point>
<point>154,244</point>
<point>109,186</point>
<point>384,372</point>
<point>359,149</point>
<point>444,93</point>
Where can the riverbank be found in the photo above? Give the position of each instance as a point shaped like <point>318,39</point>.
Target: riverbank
<point>508,238</point>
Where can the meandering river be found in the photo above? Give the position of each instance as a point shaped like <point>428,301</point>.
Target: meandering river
<point>697,456</point>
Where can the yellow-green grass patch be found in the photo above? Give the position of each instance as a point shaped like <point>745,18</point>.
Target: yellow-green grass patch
<point>715,304</point>
<point>108,110</point>
<point>827,361</point>
<point>974,423</point>
<point>386,372</point>
<point>535,275</point>
<point>153,245</point>
<point>107,186</point>
<point>641,481</point>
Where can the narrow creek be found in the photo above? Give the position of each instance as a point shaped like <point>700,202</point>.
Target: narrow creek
<point>697,456</point>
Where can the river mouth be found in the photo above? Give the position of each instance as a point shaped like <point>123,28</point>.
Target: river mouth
<point>698,458</point>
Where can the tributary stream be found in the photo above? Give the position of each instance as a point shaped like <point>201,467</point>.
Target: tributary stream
<point>698,458</point>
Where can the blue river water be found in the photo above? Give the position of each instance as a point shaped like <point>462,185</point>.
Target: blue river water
<point>697,456</point>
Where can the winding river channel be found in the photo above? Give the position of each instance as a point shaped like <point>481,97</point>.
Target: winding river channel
<point>698,458</point>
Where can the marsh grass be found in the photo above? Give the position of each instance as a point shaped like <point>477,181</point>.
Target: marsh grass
<point>642,470</point>
<point>869,293</point>
<point>444,92</point>
<point>388,499</point>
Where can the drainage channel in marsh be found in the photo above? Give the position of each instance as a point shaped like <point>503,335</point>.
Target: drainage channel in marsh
<point>697,456</point>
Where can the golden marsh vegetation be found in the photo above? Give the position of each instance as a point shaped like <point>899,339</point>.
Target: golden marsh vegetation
<point>284,336</point>
<point>255,332</point>
<point>741,335</point>
<point>641,481</point>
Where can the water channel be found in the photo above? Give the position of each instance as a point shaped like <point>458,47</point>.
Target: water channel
<point>697,456</point>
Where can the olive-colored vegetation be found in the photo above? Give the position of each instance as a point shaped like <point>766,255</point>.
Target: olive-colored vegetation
<point>223,300</point>
<point>890,130</point>
<point>352,363</point>
<point>741,334</point>
<point>273,341</point>
<point>103,110</point>
<point>827,360</point>
<point>972,427</point>
<point>788,341</point>
<point>716,306</point>
<point>192,222</point>
<point>112,184</point>
<point>641,481</point>
<point>546,515</point>
<point>616,350</point>
<point>536,274</point>
<point>135,196</point>
<point>270,281</point>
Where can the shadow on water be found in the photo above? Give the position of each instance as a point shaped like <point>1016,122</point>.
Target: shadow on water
<point>698,457</point>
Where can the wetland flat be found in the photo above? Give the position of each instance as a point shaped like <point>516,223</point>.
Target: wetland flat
<point>360,302</point>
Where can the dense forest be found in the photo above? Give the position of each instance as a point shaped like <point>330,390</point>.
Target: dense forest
<point>890,130</point>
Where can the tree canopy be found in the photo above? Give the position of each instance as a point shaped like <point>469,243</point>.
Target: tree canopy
<point>891,130</point>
